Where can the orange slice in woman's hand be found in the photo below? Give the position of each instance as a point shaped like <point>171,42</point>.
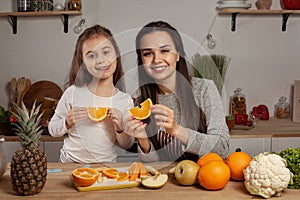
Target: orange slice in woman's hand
<point>142,112</point>
<point>85,176</point>
<point>97,114</point>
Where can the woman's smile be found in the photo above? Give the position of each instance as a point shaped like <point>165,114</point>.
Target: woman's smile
<point>158,69</point>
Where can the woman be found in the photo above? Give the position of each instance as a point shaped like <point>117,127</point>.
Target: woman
<point>187,119</point>
<point>95,72</point>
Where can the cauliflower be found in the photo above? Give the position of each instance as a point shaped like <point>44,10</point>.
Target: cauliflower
<point>267,175</point>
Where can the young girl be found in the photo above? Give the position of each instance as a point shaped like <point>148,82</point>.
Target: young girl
<point>187,119</point>
<point>95,72</point>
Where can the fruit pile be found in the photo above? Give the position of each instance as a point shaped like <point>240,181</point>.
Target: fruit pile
<point>136,172</point>
<point>211,171</point>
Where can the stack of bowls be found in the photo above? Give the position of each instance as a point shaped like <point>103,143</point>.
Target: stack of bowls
<point>240,4</point>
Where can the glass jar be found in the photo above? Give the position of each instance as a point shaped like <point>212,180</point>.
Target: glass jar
<point>282,109</point>
<point>238,103</point>
<point>74,5</point>
<point>24,5</point>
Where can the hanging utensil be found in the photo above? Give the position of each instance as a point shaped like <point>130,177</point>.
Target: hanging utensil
<point>13,86</point>
<point>21,85</point>
<point>27,86</point>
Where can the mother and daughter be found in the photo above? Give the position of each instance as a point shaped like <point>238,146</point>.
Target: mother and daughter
<point>187,117</point>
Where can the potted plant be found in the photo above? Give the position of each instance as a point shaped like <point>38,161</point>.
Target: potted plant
<point>212,67</point>
<point>6,119</point>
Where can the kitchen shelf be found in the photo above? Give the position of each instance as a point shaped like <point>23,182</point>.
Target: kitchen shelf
<point>14,16</point>
<point>285,15</point>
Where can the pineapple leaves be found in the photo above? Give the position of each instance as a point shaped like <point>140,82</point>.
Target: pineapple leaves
<point>28,127</point>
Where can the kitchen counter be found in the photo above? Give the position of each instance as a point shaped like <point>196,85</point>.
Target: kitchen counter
<point>272,128</point>
<point>59,186</point>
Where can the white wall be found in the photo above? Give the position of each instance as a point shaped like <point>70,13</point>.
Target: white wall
<point>264,60</point>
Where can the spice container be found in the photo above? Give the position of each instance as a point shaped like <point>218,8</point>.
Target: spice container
<point>74,5</point>
<point>238,103</point>
<point>282,109</point>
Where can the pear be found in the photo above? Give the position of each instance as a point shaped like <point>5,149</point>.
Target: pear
<point>154,182</point>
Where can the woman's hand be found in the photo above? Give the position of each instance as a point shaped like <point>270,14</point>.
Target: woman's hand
<point>164,117</point>
<point>74,115</point>
<point>117,118</point>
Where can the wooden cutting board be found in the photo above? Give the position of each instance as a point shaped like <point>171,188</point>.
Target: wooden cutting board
<point>41,89</point>
<point>110,184</point>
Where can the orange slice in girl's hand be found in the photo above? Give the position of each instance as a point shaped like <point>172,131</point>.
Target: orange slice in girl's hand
<point>97,114</point>
<point>85,176</point>
<point>142,112</point>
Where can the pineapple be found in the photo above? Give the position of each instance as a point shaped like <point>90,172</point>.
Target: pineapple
<point>29,164</point>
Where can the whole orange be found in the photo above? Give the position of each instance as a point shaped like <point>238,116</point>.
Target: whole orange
<point>214,175</point>
<point>208,157</point>
<point>237,162</point>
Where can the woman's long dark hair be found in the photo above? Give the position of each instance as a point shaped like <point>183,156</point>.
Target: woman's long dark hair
<point>79,75</point>
<point>148,88</point>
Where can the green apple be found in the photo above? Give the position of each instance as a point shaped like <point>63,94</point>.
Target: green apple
<point>186,172</point>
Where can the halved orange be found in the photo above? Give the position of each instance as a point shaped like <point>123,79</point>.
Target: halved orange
<point>134,171</point>
<point>97,113</point>
<point>110,172</point>
<point>85,176</point>
<point>143,111</point>
<point>137,170</point>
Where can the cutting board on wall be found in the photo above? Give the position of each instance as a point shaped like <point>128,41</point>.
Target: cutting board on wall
<point>41,89</point>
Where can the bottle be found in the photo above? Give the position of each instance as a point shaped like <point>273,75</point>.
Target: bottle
<point>282,109</point>
<point>238,103</point>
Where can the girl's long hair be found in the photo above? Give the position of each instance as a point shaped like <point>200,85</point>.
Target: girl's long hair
<point>78,74</point>
<point>195,117</point>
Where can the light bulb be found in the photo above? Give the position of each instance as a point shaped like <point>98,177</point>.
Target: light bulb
<point>79,27</point>
<point>211,42</point>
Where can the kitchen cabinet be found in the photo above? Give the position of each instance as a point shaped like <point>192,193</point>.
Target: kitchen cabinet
<point>234,12</point>
<point>10,148</point>
<point>13,16</point>
<point>251,146</point>
<point>52,150</point>
<point>279,144</point>
<point>268,135</point>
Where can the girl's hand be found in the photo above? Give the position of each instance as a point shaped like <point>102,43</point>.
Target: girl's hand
<point>74,115</point>
<point>135,128</point>
<point>117,118</point>
<point>164,117</point>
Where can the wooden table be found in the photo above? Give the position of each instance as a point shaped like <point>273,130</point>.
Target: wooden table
<point>59,186</point>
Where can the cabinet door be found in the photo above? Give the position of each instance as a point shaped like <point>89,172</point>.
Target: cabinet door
<point>52,150</point>
<point>252,146</point>
<point>279,144</point>
<point>126,156</point>
<point>10,148</point>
